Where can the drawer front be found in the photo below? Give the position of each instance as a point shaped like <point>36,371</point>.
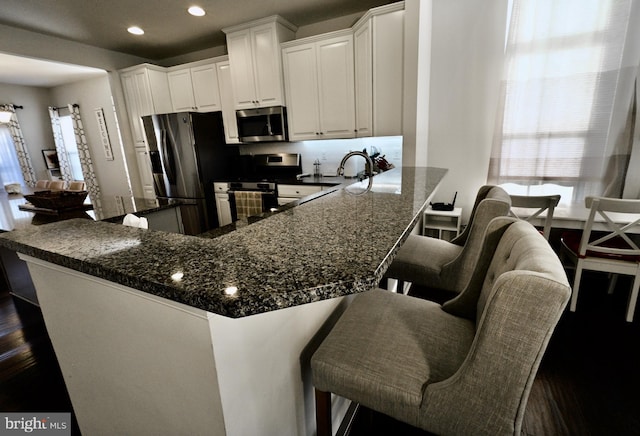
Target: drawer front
<point>297,191</point>
<point>220,187</point>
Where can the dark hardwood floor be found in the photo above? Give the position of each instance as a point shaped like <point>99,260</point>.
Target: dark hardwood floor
<point>588,382</point>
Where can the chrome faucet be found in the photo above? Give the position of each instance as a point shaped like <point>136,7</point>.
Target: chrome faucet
<point>368,168</point>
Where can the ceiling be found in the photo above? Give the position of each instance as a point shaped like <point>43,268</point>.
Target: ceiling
<point>169,29</point>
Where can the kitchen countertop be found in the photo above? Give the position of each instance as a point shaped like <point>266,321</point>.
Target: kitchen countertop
<point>337,244</point>
<point>12,218</point>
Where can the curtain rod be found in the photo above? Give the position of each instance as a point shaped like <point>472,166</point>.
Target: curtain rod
<point>65,107</point>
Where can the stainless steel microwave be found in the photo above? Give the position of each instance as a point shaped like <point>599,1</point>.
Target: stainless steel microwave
<point>266,124</point>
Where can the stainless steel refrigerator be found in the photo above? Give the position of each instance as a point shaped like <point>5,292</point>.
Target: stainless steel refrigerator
<point>188,152</point>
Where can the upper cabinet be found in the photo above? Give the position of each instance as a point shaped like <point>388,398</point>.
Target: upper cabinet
<point>146,92</point>
<point>228,103</point>
<point>255,57</point>
<point>379,61</point>
<point>319,83</point>
<point>194,87</point>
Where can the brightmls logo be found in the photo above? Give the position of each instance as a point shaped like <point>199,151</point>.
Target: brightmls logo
<point>35,423</point>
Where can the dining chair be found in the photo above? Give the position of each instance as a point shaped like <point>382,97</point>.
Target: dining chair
<point>541,204</point>
<point>57,185</point>
<point>439,264</point>
<point>76,185</point>
<point>42,184</point>
<point>612,250</point>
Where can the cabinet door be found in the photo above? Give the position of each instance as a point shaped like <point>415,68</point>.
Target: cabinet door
<point>205,88</point>
<point>144,93</point>
<point>131,95</point>
<point>267,70</point>
<point>336,87</point>
<point>181,90</point>
<point>146,175</point>
<point>302,91</point>
<point>158,95</point>
<point>224,209</point>
<point>364,81</point>
<point>240,56</point>
<point>227,103</point>
<point>388,61</point>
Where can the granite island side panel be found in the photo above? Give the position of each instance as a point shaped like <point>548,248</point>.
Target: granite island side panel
<point>337,244</point>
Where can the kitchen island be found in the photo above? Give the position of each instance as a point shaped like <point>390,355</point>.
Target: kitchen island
<point>160,333</point>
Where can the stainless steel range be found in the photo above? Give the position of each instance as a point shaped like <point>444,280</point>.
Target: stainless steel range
<point>256,191</point>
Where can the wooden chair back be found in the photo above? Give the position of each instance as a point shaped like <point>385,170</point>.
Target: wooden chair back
<point>541,204</point>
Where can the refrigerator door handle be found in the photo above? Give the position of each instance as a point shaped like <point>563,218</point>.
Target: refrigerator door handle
<point>168,158</point>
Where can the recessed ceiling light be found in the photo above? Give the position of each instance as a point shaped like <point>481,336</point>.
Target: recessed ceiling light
<point>196,11</point>
<point>135,30</point>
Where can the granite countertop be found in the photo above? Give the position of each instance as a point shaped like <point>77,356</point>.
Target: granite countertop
<point>337,244</point>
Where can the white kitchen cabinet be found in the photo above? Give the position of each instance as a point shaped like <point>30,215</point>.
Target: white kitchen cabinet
<point>227,102</point>
<point>319,84</point>
<point>194,88</point>
<point>146,175</point>
<point>146,92</point>
<point>223,207</point>
<point>256,62</point>
<point>364,80</point>
<point>379,60</point>
<point>289,193</point>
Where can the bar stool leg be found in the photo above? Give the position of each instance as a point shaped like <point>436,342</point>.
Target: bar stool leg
<point>323,413</point>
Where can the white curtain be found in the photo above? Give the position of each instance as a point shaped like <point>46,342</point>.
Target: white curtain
<point>567,95</point>
<point>65,167</point>
<point>85,159</point>
<point>22,154</point>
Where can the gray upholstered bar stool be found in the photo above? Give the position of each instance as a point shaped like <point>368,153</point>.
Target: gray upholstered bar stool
<point>445,265</point>
<point>462,368</point>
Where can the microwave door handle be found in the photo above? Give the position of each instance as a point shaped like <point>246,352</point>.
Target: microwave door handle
<point>168,161</point>
<point>269,129</point>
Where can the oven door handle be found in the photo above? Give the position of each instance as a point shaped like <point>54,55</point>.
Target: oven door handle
<point>233,191</point>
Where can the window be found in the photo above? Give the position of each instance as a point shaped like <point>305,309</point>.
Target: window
<point>567,96</point>
<point>9,166</point>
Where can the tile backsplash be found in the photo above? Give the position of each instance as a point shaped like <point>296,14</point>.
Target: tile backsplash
<point>331,151</point>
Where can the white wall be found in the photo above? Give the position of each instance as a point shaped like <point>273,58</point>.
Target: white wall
<point>417,81</point>
<point>34,120</point>
<point>466,68</point>
<point>92,94</point>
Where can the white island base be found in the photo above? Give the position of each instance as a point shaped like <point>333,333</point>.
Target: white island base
<point>134,363</point>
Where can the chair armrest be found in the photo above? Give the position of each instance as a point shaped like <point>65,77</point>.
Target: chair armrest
<point>519,318</point>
